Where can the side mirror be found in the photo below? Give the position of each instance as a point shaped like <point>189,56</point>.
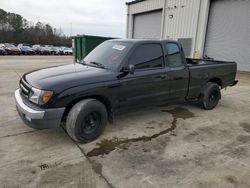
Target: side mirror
<point>129,69</point>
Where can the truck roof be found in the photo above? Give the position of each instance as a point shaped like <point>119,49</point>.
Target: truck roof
<point>142,40</point>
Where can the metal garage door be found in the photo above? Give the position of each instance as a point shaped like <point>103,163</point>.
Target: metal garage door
<point>228,33</point>
<point>147,25</point>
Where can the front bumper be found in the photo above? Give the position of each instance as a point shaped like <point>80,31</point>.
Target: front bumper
<point>38,118</point>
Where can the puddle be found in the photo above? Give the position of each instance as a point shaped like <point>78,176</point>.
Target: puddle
<point>180,112</point>
<point>108,145</point>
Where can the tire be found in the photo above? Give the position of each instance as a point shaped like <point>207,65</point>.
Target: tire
<point>210,96</point>
<point>86,120</point>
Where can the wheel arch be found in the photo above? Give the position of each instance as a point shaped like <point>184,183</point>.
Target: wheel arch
<point>217,81</point>
<point>104,100</point>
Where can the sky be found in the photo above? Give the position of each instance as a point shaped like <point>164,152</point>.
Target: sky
<point>92,17</point>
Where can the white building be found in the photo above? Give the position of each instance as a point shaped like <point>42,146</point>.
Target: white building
<point>217,28</point>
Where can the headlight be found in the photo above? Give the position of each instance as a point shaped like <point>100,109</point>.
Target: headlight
<point>40,96</point>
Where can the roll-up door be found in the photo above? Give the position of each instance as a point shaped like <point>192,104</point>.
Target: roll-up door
<point>228,32</point>
<point>147,25</point>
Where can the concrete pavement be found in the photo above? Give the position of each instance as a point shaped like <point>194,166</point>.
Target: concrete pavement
<point>162,146</point>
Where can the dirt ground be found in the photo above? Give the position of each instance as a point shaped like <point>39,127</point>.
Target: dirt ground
<point>160,146</point>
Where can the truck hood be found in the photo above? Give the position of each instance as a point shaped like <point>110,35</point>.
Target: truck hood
<point>60,78</point>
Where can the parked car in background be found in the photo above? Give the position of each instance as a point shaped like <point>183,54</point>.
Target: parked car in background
<point>61,49</point>
<point>2,50</point>
<point>26,50</point>
<point>66,51</point>
<point>12,49</point>
<point>42,50</point>
<point>55,50</point>
<point>36,48</point>
<point>48,50</point>
<point>23,44</point>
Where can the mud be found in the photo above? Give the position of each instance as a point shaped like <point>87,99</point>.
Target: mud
<point>108,145</point>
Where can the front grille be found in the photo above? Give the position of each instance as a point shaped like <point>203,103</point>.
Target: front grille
<point>25,88</point>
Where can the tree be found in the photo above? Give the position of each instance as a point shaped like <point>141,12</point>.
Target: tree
<point>14,28</point>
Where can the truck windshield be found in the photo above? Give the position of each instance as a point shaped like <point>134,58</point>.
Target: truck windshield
<point>108,55</point>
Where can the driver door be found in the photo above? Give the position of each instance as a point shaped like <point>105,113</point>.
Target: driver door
<point>150,82</point>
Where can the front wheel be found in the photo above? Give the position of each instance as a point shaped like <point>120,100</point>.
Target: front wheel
<point>86,120</point>
<point>210,96</point>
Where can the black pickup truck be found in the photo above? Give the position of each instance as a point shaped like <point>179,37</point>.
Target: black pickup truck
<point>116,76</point>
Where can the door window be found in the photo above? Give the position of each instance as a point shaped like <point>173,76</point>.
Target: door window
<point>147,56</point>
<point>174,57</point>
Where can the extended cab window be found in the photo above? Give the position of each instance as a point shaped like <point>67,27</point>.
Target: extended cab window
<point>147,56</point>
<point>174,57</point>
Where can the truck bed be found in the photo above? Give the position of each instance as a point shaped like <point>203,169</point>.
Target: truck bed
<point>204,70</point>
<point>194,62</point>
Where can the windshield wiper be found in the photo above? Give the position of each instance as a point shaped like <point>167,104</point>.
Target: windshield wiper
<point>96,64</point>
<point>93,64</point>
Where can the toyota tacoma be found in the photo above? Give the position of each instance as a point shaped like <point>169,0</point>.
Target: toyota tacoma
<point>117,76</point>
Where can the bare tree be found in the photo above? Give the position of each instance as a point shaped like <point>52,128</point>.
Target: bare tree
<point>16,29</point>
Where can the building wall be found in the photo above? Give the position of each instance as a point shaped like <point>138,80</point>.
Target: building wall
<point>180,19</point>
<point>201,28</point>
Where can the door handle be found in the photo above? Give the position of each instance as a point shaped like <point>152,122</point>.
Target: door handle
<point>178,78</point>
<point>161,77</point>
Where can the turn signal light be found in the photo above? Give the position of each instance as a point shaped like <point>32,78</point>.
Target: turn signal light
<point>46,96</point>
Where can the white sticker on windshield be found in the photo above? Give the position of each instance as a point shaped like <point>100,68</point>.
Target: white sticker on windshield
<point>119,47</point>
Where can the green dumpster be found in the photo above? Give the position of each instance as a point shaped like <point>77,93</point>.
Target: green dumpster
<point>84,44</point>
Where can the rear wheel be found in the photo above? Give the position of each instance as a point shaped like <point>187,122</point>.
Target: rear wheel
<point>86,120</point>
<point>210,96</point>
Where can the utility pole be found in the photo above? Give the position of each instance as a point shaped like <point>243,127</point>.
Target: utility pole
<point>71,29</point>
